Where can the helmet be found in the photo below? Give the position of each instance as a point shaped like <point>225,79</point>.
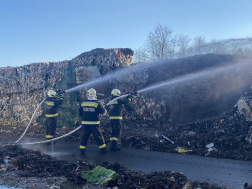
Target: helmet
<point>51,93</point>
<point>91,93</point>
<point>115,92</point>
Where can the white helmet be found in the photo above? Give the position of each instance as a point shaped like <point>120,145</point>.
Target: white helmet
<point>51,93</point>
<point>91,93</point>
<point>115,92</point>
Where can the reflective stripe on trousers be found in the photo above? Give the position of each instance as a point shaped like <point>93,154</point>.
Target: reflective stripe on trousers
<point>82,147</point>
<point>91,122</point>
<point>115,117</point>
<point>51,115</point>
<point>114,138</point>
<point>102,146</point>
<point>49,136</point>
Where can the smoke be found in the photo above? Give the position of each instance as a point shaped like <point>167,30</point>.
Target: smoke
<point>204,93</point>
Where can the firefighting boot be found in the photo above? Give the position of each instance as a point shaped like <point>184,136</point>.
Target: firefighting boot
<point>103,150</point>
<point>114,146</point>
<point>82,151</point>
<point>48,143</point>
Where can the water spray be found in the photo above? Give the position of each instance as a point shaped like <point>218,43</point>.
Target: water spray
<point>173,81</point>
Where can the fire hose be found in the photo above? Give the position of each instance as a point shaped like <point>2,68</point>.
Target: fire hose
<point>30,121</point>
<point>130,93</point>
<point>45,141</point>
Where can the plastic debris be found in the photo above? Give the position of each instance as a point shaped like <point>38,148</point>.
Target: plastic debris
<point>209,150</point>
<point>187,186</point>
<point>182,150</point>
<point>210,145</point>
<point>99,174</point>
<point>167,139</point>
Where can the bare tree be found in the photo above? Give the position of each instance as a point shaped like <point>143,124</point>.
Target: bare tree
<point>140,55</point>
<point>198,44</point>
<point>183,43</point>
<point>158,42</point>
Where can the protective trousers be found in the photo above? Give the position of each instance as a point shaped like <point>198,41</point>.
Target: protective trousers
<point>51,123</point>
<point>116,125</point>
<point>96,131</point>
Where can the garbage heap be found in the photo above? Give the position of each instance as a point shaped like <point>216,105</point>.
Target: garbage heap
<point>35,164</point>
<point>228,135</point>
<point>22,88</point>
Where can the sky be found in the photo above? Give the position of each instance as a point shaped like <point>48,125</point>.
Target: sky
<point>34,31</point>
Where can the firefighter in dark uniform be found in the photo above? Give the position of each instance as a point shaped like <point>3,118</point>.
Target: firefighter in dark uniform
<point>51,113</point>
<point>115,116</point>
<point>89,113</point>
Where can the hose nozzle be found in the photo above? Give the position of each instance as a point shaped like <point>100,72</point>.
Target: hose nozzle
<point>60,92</point>
<point>133,93</point>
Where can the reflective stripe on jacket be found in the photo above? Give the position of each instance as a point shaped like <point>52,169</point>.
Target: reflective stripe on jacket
<point>52,104</point>
<point>116,108</point>
<point>89,112</point>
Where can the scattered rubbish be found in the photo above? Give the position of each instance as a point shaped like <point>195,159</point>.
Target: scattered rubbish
<point>209,150</point>
<point>243,107</point>
<point>210,145</point>
<point>99,174</point>
<point>182,150</point>
<point>187,186</point>
<point>167,139</point>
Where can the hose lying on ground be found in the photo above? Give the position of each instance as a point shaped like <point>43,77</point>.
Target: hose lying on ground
<point>57,137</point>
<point>30,121</point>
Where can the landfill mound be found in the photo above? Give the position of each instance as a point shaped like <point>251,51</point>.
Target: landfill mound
<point>25,163</point>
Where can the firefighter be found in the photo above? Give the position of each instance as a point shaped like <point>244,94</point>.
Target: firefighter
<point>51,113</point>
<point>89,112</point>
<point>115,116</point>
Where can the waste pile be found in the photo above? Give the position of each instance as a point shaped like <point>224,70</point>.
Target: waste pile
<point>225,136</point>
<point>247,186</point>
<point>22,88</point>
<point>28,163</point>
<point>36,164</point>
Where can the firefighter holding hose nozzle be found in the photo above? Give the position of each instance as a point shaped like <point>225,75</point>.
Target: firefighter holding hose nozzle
<point>116,115</point>
<point>89,113</point>
<point>52,103</point>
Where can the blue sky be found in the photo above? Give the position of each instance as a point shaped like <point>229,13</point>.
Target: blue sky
<point>54,30</point>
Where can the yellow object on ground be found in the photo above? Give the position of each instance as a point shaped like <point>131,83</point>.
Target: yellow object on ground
<point>182,150</point>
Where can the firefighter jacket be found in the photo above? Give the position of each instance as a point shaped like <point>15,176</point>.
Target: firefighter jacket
<point>89,112</point>
<point>116,107</point>
<point>52,106</point>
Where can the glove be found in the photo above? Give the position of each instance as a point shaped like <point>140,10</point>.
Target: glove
<point>130,98</point>
<point>61,96</point>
